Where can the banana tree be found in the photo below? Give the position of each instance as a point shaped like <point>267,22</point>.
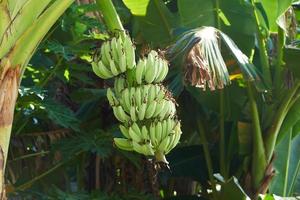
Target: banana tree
<point>23,24</point>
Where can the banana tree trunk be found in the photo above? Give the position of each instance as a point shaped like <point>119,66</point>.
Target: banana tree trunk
<point>8,94</point>
<point>23,24</point>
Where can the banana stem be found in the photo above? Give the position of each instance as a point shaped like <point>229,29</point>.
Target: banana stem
<point>262,49</point>
<point>160,157</point>
<point>222,137</point>
<point>207,158</point>
<point>110,16</point>
<point>259,162</point>
<point>278,67</point>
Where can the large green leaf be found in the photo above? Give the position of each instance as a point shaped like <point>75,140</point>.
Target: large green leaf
<point>287,165</point>
<point>137,7</point>
<point>236,19</point>
<point>196,13</point>
<point>273,9</point>
<point>157,23</point>
<point>290,120</point>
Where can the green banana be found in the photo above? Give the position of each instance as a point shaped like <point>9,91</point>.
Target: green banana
<point>102,57</point>
<point>145,134</point>
<point>164,144</point>
<point>158,132</point>
<point>123,144</point>
<point>122,64</point>
<point>132,96</point>
<point>125,99</point>
<point>101,71</point>
<point>138,96</point>
<point>138,148</point>
<point>119,85</point>
<point>113,68</point>
<point>150,109</point>
<point>145,92</point>
<point>120,114</point>
<point>151,69</point>
<point>106,51</point>
<point>130,53</point>
<point>114,48</point>
<point>111,98</point>
<point>136,137</point>
<point>140,68</point>
<point>124,131</point>
<point>133,114</point>
<point>152,93</point>
<point>152,134</point>
<point>142,111</point>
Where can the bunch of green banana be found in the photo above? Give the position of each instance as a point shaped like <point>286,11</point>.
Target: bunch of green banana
<point>144,107</point>
<point>133,104</point>
<point>152,69</point>
<point>153,139</point>
<point>116,57</point>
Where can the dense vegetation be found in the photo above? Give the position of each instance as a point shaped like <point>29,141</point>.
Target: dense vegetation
<point>240,134</point>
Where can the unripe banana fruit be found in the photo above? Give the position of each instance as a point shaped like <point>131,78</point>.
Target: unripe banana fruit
<point>152,69</point>
<point>156,138</point>
<point>116,57</point>
<point>144,107</point>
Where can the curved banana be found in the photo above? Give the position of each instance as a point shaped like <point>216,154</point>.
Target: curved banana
<point>102,57</point>
<point>160,92</point>
<point>101,71</point>
<point>159,107</point>
<point>124,131</point>
<point>138,148</point>
<point>123,144</point>
<point>106,51</point>
<point>152,93</point>
<point>158,132</point>
<point>150,109</point>
<point>114,49</point>
<point>163,145</point>
<point>122,64</point>
<point>140,68</point>
<point>120,114</point>
<point>152,134</point>
<point>164,110</point>
<point>138,96</point>
<point>151,69</point>
<point>135,136</point>
<point>132,96</point>
<point>119,85</point>
<point>130,52</point>
<point>145,134</point>
<point>113,68</point>
<point>145,91</point>
<point>142,111</point>
<point>133,114</point>
<point>111,97</point>
<point>125,96</point>
<point>163,65</point>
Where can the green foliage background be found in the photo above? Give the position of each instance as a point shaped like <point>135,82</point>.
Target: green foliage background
<point>63,124</point>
